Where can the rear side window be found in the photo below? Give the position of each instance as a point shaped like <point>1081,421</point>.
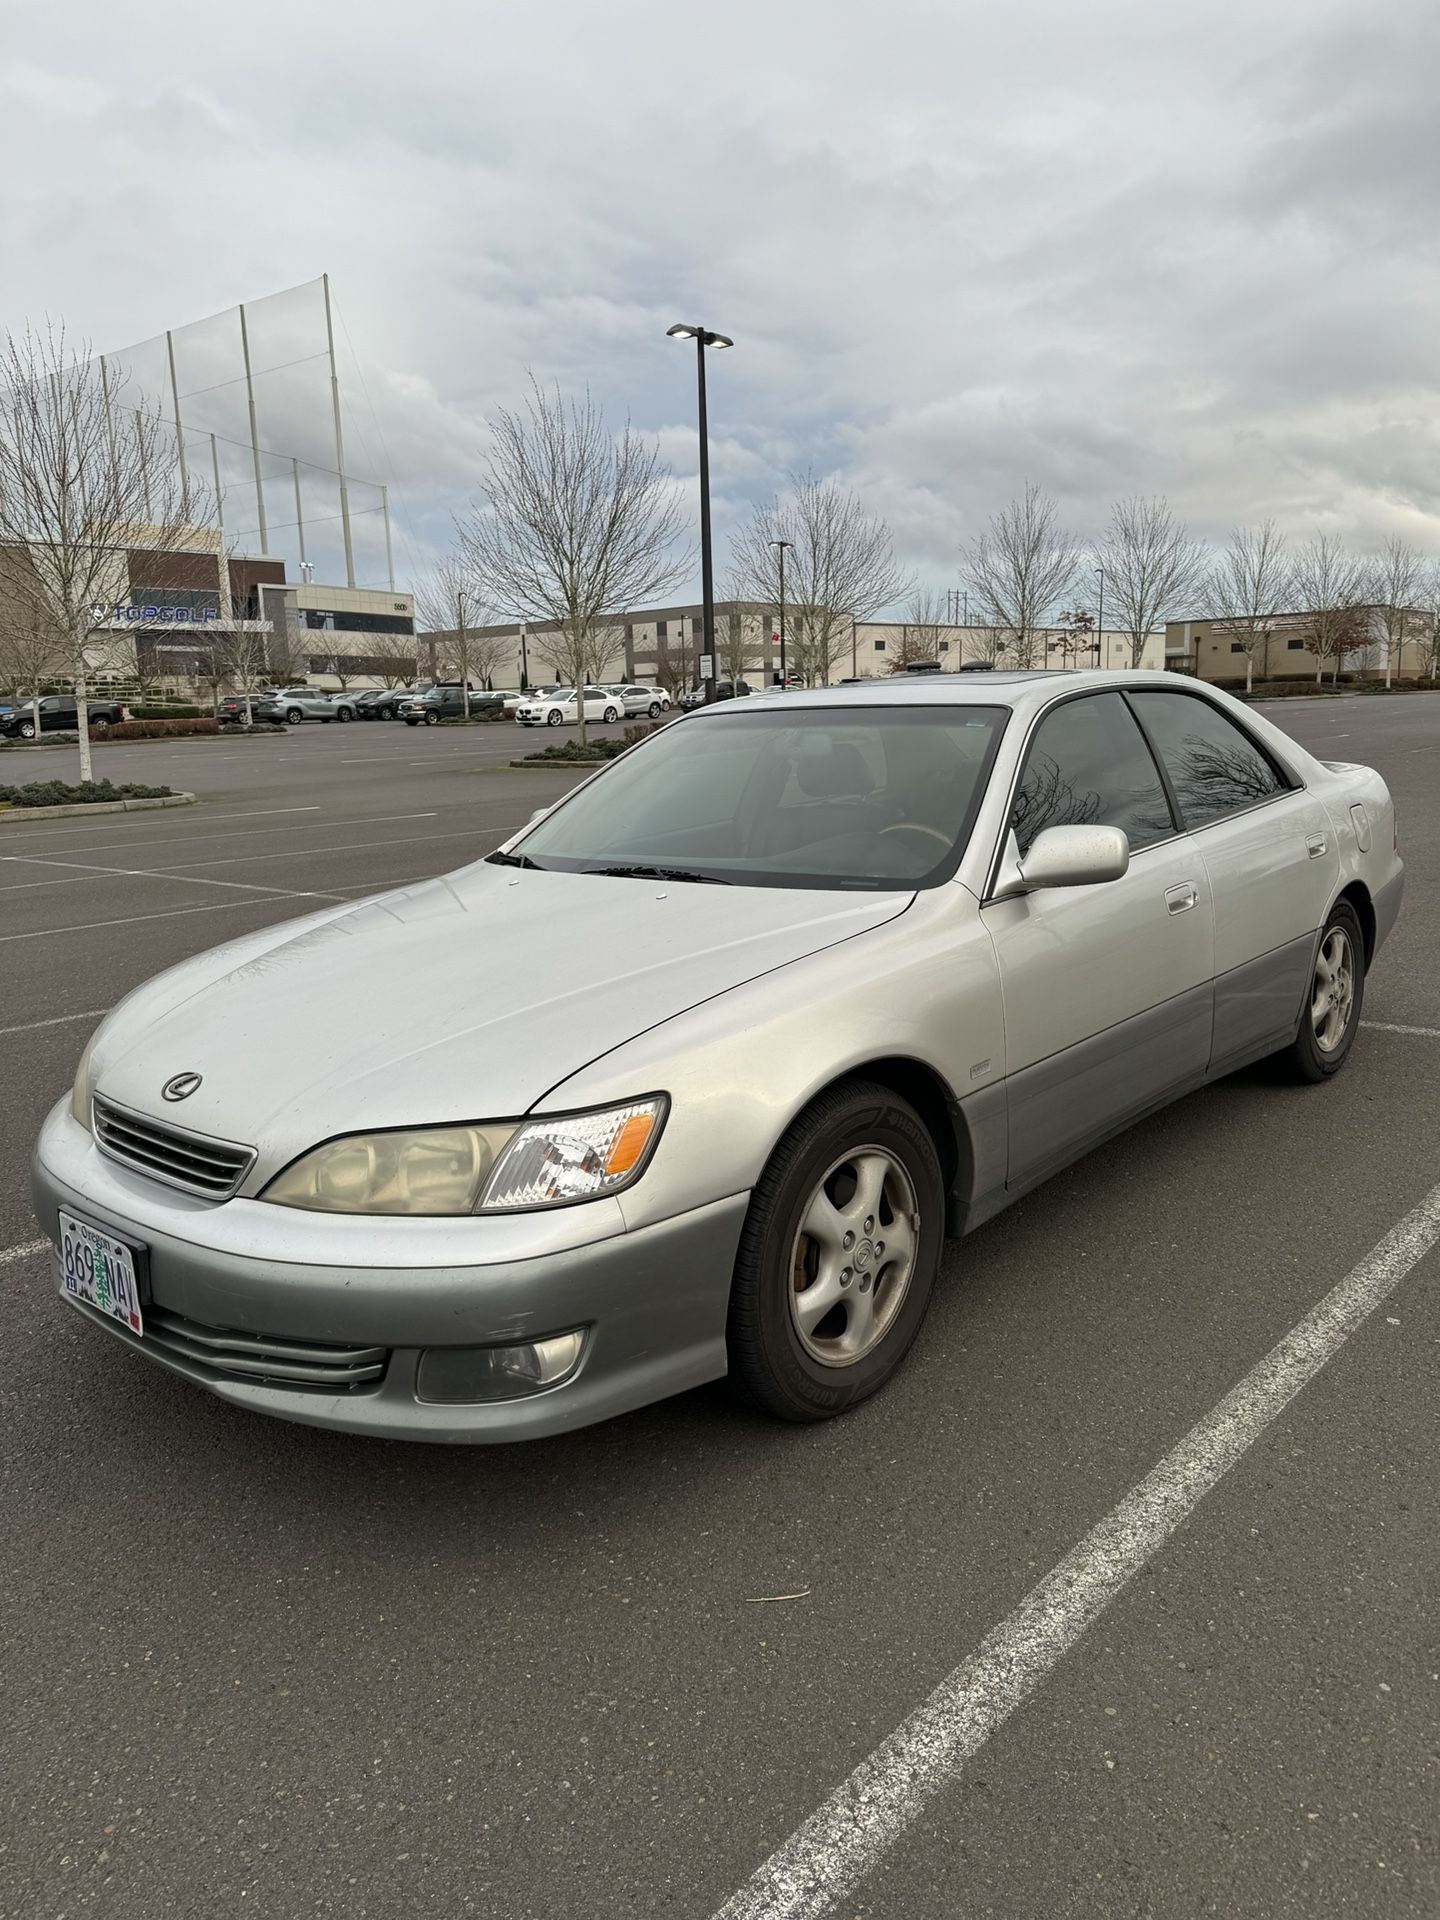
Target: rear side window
<point>1213,765</point>
<point>1089,765</point>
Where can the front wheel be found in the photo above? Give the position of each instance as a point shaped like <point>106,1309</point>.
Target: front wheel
<point>1331,1017</point>
<point>27,729</point>
<point>345,714</point>
<point>838,1255</point>
<point>293,717</point>
<point>553,718</point>
<point>432,719</point>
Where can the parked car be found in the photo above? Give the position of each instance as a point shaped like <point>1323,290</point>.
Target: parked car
<point>1007,921</point>
<point>976,666</point>
<point>378,703</point>
<point>59,714</point>
<point>230,711</point>
<point>292,705</point>
<point>637,699</point>
<point>556,708</point>
<point>345,705</point>
<point>724,690</point>
<point>437,703</point>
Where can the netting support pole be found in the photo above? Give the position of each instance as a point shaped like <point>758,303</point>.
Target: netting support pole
<point>389,554</point>
<point>339,440</point>
<point>299,516</point>
<point>254,433</point>
<point>179,430</point>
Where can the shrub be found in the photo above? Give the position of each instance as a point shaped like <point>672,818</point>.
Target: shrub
<point>175,711</point>
<point>161,729</point>
<point>62,793</point>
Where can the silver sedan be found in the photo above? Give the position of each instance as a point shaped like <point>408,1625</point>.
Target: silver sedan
<point>723,1045</point>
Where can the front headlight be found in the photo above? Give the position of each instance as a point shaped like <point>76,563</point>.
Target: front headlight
<point>80,1092</point>
<point>475,1169</point>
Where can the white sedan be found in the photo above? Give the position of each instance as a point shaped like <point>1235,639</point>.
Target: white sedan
<point>562,707</point>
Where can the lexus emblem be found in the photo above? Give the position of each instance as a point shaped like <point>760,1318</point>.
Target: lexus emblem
<point>181,1087</point>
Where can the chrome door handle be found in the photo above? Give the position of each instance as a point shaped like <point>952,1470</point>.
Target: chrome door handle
<point>1181,899</point>
<point>1316,844</point>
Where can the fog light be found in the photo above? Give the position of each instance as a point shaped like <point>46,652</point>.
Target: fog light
<point>452,1376</point>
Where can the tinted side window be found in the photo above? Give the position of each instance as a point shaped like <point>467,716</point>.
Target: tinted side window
<point>1214,767</point>
<point>1088,765</point>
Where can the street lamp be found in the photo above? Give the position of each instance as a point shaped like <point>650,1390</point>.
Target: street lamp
<point>1100,621</point>
<point>703,337</point>
<point>784,547</point>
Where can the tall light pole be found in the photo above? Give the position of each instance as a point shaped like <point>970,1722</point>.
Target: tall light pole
<point>703,337</point>
<point>1100,622</point>
<point>463,638</point>
<point>783,546</point>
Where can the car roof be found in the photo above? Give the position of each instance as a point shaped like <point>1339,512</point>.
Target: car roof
<point>1019,690</point>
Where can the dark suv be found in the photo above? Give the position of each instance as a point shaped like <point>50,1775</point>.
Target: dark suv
<point>434,704</point>
<point>59,714</point>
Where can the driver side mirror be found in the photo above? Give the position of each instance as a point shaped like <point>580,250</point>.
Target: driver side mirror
<point>1076,857</point>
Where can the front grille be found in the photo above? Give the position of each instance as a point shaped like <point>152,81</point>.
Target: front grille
<point>266,1358</point>
<point>192,1161</point>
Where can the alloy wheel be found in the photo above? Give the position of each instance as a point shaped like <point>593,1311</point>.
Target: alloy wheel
<point>1333,995</point>
<point>853,1256</point>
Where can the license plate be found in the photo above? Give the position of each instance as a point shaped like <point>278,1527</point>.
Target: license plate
<point>100,1270</point>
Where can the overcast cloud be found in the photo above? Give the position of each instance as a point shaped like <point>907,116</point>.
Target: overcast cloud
<point>1113,248</point>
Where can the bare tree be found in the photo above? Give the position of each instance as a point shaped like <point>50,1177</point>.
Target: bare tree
<point>448,601</point>
<point>1246,587</point>
<point>1019,567</point>
<point>1077,636</point>
<point>1429,634</point>
<point>1331,586</point>
<point>576,527</point>
<point>393,657</point>
<point>1151,564</point>
<point>733,648</point>
<point>83,481</point>
<point>840,569</point>
<point>921,631</point>
<point>29,650</point>
<point>1398,577</point>
<point>672,664</point>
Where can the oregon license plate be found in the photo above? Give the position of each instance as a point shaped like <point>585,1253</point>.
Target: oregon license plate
<point>100,1271</point>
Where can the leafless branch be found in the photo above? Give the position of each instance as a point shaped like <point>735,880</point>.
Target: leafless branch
<point>1152,567</point>
<point>1246,587</point>
<point>1019,568</point>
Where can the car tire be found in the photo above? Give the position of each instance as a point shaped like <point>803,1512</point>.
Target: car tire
<point>344,715</point>
<point>432,719</point>
<point>655,709</point>
<point>1330,1018</point>
<point>26,729</point>
<point>553,718</point>
<point>855,1142</point>
<point>293,716</point>
<point>100,725</point>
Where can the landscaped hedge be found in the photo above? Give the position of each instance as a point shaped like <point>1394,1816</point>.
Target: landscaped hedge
<point>64,793</point>
<point>177,711</point>
<point>594,751</point>
<point>160,729</point>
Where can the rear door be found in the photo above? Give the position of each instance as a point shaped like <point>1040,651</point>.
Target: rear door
<point>1107,989</point>
<point>1271,858</point>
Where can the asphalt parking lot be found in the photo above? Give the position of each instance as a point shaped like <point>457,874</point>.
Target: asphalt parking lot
<point>250,1666</point>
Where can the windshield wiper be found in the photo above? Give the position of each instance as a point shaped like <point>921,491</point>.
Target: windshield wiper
<point>514,860</point>
<point>660,873</point>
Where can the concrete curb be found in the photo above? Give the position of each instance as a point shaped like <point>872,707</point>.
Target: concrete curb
<point>74,809</point>
<point>554,766</point>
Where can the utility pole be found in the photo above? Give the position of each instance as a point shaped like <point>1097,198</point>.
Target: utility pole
<point>339,439</point>
<point>782,545</point>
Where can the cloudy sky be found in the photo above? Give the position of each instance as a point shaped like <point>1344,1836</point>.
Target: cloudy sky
<point>1126,246</point>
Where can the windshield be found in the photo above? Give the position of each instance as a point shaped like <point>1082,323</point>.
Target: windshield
<point>873,798</point>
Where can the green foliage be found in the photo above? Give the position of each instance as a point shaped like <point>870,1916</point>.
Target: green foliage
<point>62,793</point>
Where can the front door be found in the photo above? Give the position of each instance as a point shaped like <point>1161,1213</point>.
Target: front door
<point>1107,989</point>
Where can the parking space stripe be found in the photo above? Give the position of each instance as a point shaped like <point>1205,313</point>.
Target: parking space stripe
<point>1384,1026</point>
<point>163,873</point>
<point>100,845</point>
<point>135,919</point>
<point>57,1020</point>
<point>31,1247</point>
<point>827,1857</point>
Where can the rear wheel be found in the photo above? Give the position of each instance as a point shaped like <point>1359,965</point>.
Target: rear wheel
<point>345,714</point>
<point>654,709</point>
<point>610,714</point>
<point>1331,1017</point>
<point>838,1255</point>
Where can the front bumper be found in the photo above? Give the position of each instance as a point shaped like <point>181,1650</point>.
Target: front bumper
<point>653,1303</point>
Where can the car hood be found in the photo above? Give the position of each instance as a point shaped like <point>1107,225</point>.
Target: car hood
<point>467,997</point>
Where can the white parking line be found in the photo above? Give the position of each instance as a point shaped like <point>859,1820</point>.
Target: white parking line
<point>158,873</point>
<point>1384,1026</point>
<point>7,1254</point>
<point>57,1020</point>
<point>845,1839</point>
<point>134,919</point>
<point>98,845</point>
<point>259,813</point>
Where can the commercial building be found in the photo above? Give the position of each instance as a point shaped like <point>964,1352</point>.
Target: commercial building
<point>1216,650</point>
<point>664,644</point>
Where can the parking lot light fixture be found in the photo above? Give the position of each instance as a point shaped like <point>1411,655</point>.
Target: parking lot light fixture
<point>704,337</point>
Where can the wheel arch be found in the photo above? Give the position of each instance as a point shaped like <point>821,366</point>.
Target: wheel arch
<point>1358,895</point>
<point>930,1094</point>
